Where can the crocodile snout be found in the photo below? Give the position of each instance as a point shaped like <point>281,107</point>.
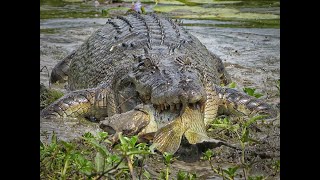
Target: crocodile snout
<point>178,98</point>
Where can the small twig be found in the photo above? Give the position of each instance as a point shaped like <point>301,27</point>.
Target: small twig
<point>140,174</point>
<point>244,173</point>
<point>217,171</point>
<point>131,168</point>
<point>114,167</point>
<point>230,146</point>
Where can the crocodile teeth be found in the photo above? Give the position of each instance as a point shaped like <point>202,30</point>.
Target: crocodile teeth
<point>178,106</point>
<point>166,106</point>
<point>158,108</point>
<point>171,107</point>
<point>161,107</point>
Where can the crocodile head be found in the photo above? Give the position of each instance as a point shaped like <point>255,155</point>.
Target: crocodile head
<point>168,81</point>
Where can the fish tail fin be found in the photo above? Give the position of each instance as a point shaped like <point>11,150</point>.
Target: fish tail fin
<point>168,138</point>
<point>194,137</point>
<point>196,129</point>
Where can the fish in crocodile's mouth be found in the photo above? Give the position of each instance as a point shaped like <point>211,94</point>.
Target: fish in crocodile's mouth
<point>164,127</point>
<point>189,124</point>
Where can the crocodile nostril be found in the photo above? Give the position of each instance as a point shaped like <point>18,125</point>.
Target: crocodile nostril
<point>196,96</point>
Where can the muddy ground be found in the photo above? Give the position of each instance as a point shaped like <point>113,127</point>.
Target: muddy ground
<point>251,56</point>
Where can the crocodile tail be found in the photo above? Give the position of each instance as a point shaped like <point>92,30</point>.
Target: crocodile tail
<point>238,102</point>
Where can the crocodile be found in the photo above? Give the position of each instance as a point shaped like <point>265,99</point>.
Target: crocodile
<point>145,74</point>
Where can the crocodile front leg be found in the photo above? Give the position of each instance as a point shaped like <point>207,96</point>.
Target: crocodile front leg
<point>235,102</point>
<point>90,103</point>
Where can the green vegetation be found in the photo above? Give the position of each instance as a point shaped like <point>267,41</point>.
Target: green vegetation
<point>48,31</point>
<point>114,10</point>
<point>242,133</point>
<point>48,96</point>
<point>56,13</point>
<point>90,157</point>
<point>253,23</point>
<point>251,92</point>
<point>243,19</point>
<point>96,157</point>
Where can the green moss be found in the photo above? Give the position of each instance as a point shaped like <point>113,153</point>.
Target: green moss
<point>188,3</point>
<point>116,10</point>
<point>229,16</point>
<point>51,14</point>
<point>48,31</point>
<point>265,23</point>
<point>171,2</point>
<point>229,3</point>
<point>56,3</point>
<point>197,12</point>
<point>254,3</point>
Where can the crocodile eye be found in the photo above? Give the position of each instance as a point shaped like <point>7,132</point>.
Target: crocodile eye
<point>141,63</point>
<point>148,62</point>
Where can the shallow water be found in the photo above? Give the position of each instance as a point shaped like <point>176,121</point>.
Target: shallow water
<point>251,56</point>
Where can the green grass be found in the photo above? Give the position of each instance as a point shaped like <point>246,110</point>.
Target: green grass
<point>94,157</point>
<point>51,14</point>
<point>48,31</point>
<point>48,96</point>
